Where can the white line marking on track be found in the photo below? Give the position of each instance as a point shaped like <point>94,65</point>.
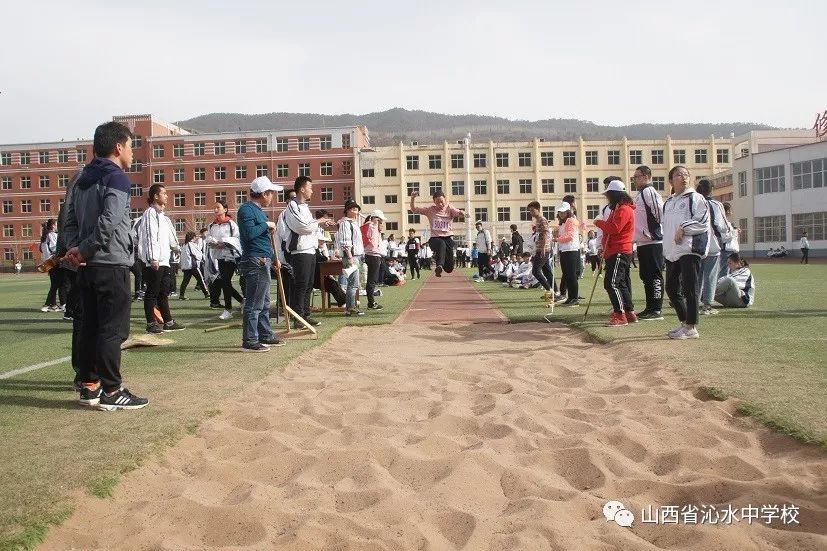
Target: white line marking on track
<point>22,370</point>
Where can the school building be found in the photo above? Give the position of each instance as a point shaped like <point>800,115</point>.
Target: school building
<point>196,169</point>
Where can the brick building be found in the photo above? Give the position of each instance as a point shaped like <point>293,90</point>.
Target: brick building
<point>196,169</point>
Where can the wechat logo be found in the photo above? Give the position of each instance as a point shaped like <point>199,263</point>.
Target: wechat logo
<point>616,511</point>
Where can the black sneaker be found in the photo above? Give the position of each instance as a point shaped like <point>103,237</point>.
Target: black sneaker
<point>374,306</point>
<point>354,312</point>
<point>172,326</point>
<point>216,305</point>
<point>650,316</point>
<point>122,399</point>
<point>155,328</point>
<point>272,341</point>
<point>313,322</point>
<point>438,271</point>
<point>182,297</point>
<point>89,397</point>
<point>255,347</point>
<point>574,302</point>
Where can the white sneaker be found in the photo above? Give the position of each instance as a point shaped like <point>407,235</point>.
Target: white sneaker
<point>46,309</point>
<point>687,334</point>
<point>675,331</point>
<point>225,315</point>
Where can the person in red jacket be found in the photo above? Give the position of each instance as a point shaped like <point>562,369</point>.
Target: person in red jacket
<point>618,233</point>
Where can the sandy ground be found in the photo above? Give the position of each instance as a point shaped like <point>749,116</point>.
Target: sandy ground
<point>460,436</point>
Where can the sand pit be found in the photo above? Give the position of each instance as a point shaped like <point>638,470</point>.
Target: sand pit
<point>460,436</point>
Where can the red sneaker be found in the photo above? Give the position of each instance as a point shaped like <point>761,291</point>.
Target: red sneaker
<point>617,319</point>
<point>631,317</point>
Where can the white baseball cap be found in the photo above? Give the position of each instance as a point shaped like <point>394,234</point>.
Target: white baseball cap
<point>378,214</point>
<point>262,184</point>
<point>563,207</point>
<point>615,185</point>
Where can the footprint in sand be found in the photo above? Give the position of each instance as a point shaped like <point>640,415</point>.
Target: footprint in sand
<point>455,526</point>
<point>484,404</point>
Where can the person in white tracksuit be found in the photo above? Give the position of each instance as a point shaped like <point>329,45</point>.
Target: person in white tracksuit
<point>685,242</point>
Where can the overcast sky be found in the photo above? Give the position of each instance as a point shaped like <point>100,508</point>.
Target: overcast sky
<point>68,65</point>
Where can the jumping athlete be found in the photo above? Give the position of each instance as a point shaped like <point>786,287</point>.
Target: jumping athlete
<point>440,215</point>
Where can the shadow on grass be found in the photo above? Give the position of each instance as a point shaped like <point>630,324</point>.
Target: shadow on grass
<point>12,384</point>
<point>42,403</point>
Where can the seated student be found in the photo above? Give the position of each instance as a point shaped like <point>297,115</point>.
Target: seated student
<point>737,290</point>
<point>522,278</point>
<point>510,265</point>
<point>393,274</point>
<point>498,268</point>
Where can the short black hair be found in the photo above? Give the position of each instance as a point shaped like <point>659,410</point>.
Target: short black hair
<point>704,187</point>
<point>532,205</point>
<point>154,190</point>
<point>513,227</point>
<point>300,181</point>
<point>645,170</point>
<point>107,136</point>
<point>438,193</point>
<point>320,213</point>
<point>568,199</point>
<point>608,179</point>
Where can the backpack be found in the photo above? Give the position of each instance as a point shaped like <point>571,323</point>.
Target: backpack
<point>364,230</point>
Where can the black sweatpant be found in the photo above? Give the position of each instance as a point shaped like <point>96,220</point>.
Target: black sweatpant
<point>805,256</point>
<point>158,286</point>
<point>539,269</point>
<point>483,264</point>
<point>57,287</point>
<point>683,286</point>
<point>616,282</point>
<point>189,274</point>
<point>304,269</point>
<point>137,270</point>
<point>374,268</point>
<point>106,302</point>
<point>413,264</point>
<point>74,309</point>
<point>443,248</point>
<point>650,258</point>
<point>224,283</point>
<point>569,284</point>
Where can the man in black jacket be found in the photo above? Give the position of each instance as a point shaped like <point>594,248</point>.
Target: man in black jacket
<point>99,240</point>
<point>516,241</point>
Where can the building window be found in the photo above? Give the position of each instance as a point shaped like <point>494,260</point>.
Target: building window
<point>158,151</point>
<point>81,155</point>
<point>178,150</point>
<point>592,211</point>
<point>768,180</point>
<point>8,231</point>
<point>569,158</point>
<point>180,224</point>
<point>548,213</point>
<point>326,142</point>
<point>501,160</point>
<point>220,173</point>
<point>770,229</point>
<point>679,156</point>
<point>614,157</point>
<point>45,205</point>
<point>547,185</point>
<point>742,184</point>
<point>25,182</point>
<point>137,141</point>
<point>281,171</point>
<point>326,168</point>
<point>177,174</point>
<point>480,187</point>
<point>413,218</point>
<point>809,174</point>
<point>135,213</point>
<point>457,187</point>
<point>368,199</point>
<point>591,158</point>
<point>5,158</point>
<point>43,157</point>
<point>261,170</point>
<point>700,156</point>
<point>503,187</point>
<point>635,157</point>
<point>135,190</point>
<point>261,145</point>
<point>26,230</point>
<point>592,185</point>
<point>392,226</point>
<point>524,159</point>
<point>180,200</point>
<point>5,182</point>
<point>240,197</point>
<point>368,173</point>
<point>281,144</point>
<point>547,158</point>
<point>25,158</point>
<point>657,156</point>
<point>814,223</point>
<point>44,181</point>
<point>503,214</point>
<point>280,197</point>
<point>240,172</point>
<point>240,147</point>
<point>525,216</point>
<point>659,183</point>
<point>413,187</point>
<point>347,167</point>
<point>481,214</point>
<point>304,143</point>
<point>63,156</point>
<point>457,160</point>
<point>199,174</point>
<point>435,162</point>
<point>390,172</point>
<point>743,231</point>
<point>199,199</point>
<point>26,205</point>
<point>62,180</point>
<point>412,162</point>
<point>304,169</point>
<point>346,141</point>
<point>8,207</point>
<point>570,185</point>
<point>722,155</point>
<point>525,185</point>
<point>327,194</point>
<point>433,187</point>
<point>220,196</point>
<point>198,149</point>
<point>220,148</point>
<point>480,160</point>
<point>391,199</point>
<point>136,166</point>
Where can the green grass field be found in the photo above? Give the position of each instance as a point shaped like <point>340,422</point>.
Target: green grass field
<point>771,356</point>
<point>53,448</point>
